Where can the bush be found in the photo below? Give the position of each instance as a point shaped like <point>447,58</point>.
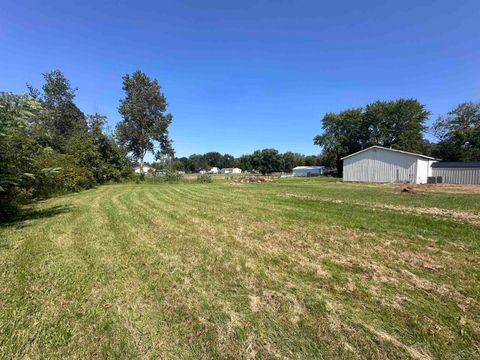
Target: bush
<point>204,178</point>
<point>59,173</point>
<point>172,176</point>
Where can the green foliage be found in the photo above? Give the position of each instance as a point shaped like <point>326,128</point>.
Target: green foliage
<point>204,178</point>
<point>59,118</point>
<point>172,176</point>
<point>266,161</point>
<point>144,123</point>
<point>291,160</point>
<point>61,173</point>
<point>459,134</point>
<point>16,150</point>
<point>47,146</point>
<point>343,134</point>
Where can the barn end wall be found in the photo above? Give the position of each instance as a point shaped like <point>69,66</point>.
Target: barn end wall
<point>377,165</point>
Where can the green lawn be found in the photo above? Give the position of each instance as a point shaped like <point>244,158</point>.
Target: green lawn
<point>296,268</point>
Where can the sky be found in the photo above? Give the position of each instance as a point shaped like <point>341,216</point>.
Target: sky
<point>246,75</point>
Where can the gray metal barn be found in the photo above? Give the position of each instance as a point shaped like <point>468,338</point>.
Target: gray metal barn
<point>457,172</point>
<point>382,165</point>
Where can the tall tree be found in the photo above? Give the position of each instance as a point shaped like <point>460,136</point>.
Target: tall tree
<point>214,158</point>
<point>245,162</point>
<point>459,133</point>
<point>266,161</point>
<point>144,127</point>
<point>397,124</point>
<point>228,161</point>
<point>343,134</point>
<point>291,160</point>
<point>60,118</point>
<point>198,162</point>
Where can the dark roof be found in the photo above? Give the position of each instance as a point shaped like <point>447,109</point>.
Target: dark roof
<point>456,165</point>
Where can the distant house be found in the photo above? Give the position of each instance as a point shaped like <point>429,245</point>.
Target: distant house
<point>146,169</point>
<point>457,172</point>
<point>383,165</point>
<point>308,170</point>
<point>214,170</point>
<point>231,171</point>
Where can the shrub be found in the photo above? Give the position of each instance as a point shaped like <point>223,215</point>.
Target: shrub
<point>204,178</point>
<point>172,176</point>
<point>60,173</point>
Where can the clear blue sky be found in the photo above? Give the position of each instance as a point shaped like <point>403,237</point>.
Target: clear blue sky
<point>243,75</point>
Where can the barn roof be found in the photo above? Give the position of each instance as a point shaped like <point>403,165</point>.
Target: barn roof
<point>389,149</point>
<point>456,165</point>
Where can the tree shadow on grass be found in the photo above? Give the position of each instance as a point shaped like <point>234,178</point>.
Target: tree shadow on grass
<point>19,220</point>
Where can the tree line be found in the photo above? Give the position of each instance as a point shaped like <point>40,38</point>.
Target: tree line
<point>48,145</point>
<point>263,161</point>
<point>400,124</point>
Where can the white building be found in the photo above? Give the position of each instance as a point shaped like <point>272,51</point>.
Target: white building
<point>383,165</point>
<point>214,170</point>
<point>146,169</point>
<point>231,171</point>
<point>308,170</point>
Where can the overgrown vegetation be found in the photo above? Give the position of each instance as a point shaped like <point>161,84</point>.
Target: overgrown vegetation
<point>204,178</point>
<point>296,268</point>
<point>48,145</point>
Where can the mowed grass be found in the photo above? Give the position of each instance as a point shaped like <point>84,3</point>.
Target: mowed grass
<point>296,268</point>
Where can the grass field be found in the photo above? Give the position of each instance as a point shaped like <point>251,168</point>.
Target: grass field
<point>296,268</point>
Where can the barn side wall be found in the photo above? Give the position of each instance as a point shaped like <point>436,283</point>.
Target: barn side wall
<point>378,165</point>
<point>458,175</point>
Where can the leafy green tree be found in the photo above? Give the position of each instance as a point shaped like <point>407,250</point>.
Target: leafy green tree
<point>228,161</point>
<point>313,160</point>
<point>16,149</point>
<point>343,134</point>
<point>177,165</point>
<point>244,162</point>
<point>291,160</point>
<point>186,165</point>
<point>144,127</point>
<point>459,133</point>
<point>398,124</point>
<point>59,118</point>
<point>266,161</point>
<point>214,159</point>
<point>198,162</point>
